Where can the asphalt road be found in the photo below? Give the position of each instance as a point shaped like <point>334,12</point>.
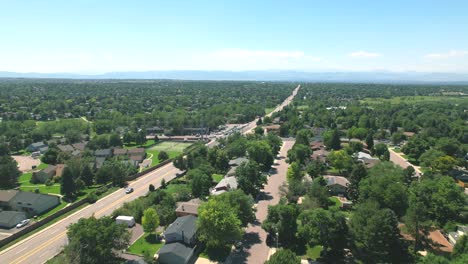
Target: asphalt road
<point>47,243</point>
<point>254,242</point>
<point>402,162</point>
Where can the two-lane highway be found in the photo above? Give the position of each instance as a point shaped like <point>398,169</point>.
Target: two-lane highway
<point>45,244</point>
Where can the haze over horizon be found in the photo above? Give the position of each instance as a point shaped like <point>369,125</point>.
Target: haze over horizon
<point>89,37</point>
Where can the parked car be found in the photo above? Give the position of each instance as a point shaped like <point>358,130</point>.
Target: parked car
<point>129,190</point>
<point>23,223</point>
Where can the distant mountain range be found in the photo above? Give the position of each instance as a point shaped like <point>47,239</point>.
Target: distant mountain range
<point>377,76</point>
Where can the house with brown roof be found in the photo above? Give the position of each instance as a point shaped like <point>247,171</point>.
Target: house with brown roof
<point>272,128</point>
<point>188,208</point>
<point>120,152</point>
<point>137,154</point>
<point>5,198</point>
<point>337,185</point>
<point>43,175</point>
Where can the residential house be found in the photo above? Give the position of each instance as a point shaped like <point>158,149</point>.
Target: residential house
<point>80,146</point>
<point>38,146</point>
<point>176,253</point>
<point>65,148</point>
<point>9,219</point>
<point>188,208</point>
<point>238,161</point>
<point>5,198</point>
<point>46,174</point>
<point>103,153</point>
<point>154,130</point>
<point>137,154</point>
<point>33,203</point>
<point>337,185</point>
<point>99,162</point>
<point>454,236</point>
<point>226,184</point>
<point>182,230</point>
<point>120,152</point>
<point>272,128</point>
<point>367,159</point>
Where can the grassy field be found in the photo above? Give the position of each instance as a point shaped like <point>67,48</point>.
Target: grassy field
<point>147,243</point>
<point>26,186</point>
<point>217,177</point>
<point>171,148</point>
<point>414,99</point>
<point>149,143</point>
<point>336,202</point>
<point>269,110</point>
<point>175,188</point>
<point>313,252</point>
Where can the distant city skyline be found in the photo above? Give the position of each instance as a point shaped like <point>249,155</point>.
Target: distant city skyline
<point>92,37</point>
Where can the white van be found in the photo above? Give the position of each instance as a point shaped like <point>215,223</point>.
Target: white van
<point>126,220</point>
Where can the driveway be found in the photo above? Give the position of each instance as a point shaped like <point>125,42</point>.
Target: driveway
<point>26,163</point>
<point>255,248</point>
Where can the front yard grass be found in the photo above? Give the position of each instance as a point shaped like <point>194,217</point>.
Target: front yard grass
<point>313,252</point>
<point>149,242</point>
<point>217,177</point>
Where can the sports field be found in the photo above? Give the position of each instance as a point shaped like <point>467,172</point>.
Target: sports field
<point>170,147</point>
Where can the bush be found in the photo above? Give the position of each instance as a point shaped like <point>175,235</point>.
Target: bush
<point>151,188</point>
<point>162,156</point>
<point>163,184</point>
<point>49,183</point>
<point>92,197</point>
<point>101,190</point>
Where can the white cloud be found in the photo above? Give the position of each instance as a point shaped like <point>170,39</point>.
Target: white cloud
<point>450,54</point>
<point>364,54</point>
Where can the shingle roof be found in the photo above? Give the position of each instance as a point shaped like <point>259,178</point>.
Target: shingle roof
<point>190,207</point>
<point>136,151</point>
<point>185,225</point>
<point>7,216</point>
<point>31,199</point>
<point>7,195</point>
<point>174,253</point>
<point>103,152</point>
<point>228,181</point>
<point>331,180</point>
<point>120,151</point>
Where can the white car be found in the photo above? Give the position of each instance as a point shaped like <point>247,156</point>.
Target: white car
<point>23,223</point>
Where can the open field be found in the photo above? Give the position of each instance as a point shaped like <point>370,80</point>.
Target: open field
<point>414,99</point>
<point>171,148</point>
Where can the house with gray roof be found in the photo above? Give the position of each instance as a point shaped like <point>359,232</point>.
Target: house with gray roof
<point>454,236</point>
<point>103,153</point>
<point>38,146</point>
<point>225,185</point>
<point>182,230</point>
<point>33,203</point>
<point>9,219</point>
<point>176,253</point>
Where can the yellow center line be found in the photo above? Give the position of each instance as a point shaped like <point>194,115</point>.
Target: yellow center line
<point>60,235</point>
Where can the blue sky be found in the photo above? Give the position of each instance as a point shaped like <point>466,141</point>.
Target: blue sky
<point>102,36</point>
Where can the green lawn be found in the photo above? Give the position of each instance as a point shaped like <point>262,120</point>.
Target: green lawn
<point>314,252</point>
<point>175,188</point>
<point>269,110</point>
<point>147,243</point>
<point>28,187</point>
<point>173,149</point>
<point>217,177</point>
<point>336,202</point>
<point>42,166</point>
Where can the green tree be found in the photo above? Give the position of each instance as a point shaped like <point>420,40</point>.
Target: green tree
<point>375,233</point>
<point>358,173</point>
<point>385,186</point>
<point>9,172</point>
<point>318,194</point>
<point>370,141</point>
<point>284,256</point>
<point>281,219</point>
<point>300,153</point>
<point>341,160</point>
<point>240,203</point>
<point>180,162</point>
<point>218,225</point>
<point>316,168</point>
<point>249,178</point>
<point>302,137</point>
<point>259,131</point>
<point>92,241</point>
<point>461,247</point>
<point>200,183</point>
<point>260,152</point>
<point>295,172</point>
<point>87,175</point>
<point>324,228</point>
<point>162,155</point>
<point>67,186</point>
<point>275,142</point>
<point>50,156</point>
<point>150,220</point>
<point>332,139</point>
